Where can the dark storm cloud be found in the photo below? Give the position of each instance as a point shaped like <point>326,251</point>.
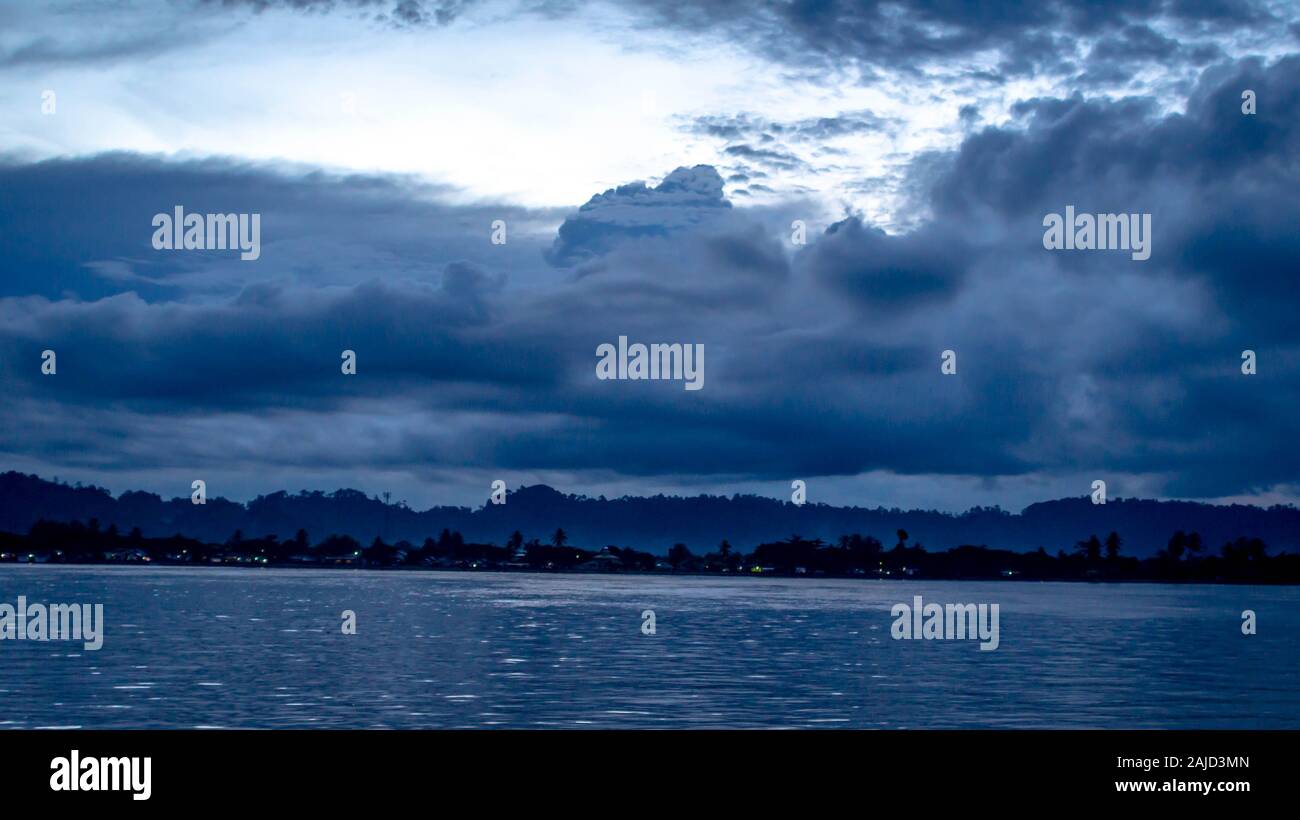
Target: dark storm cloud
<point>1219,184</point>
<point>823,361</point>
<point>1146,384</point>
<point>1102,41</point>
<point>83,227</point>
<point>271,351</point>
<point>888,272</point>
<point>1116,58</point>
<point>271,345</point>
<point>1029,36</point>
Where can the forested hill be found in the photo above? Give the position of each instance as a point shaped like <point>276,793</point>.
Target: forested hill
<point>648,523</point>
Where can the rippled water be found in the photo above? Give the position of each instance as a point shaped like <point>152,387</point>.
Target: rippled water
<point>264,648</point>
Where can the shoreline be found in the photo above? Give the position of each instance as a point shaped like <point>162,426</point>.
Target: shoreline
<point>656,574</point>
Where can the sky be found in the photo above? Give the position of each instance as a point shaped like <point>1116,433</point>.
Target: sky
<point>648,161</point>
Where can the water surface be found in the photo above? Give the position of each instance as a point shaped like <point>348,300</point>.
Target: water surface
<point>215,647</point>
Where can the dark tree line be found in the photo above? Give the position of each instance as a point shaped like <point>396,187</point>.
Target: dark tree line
<point>1185,557</point>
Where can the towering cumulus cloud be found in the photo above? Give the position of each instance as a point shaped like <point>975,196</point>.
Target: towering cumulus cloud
<point>687,199</point>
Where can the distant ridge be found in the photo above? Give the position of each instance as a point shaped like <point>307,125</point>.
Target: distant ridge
<point>651,523</point>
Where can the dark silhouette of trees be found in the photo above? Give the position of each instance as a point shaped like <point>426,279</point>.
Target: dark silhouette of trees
<point>339,546</point>
<point>1113,543</point>
<point>792,554</point>
<point>861,553</point>
<point>1244,550</point>
<point>1243,559</point>
<point>726,559</point>
<point>678,554</point>
<point>632,559</point>
<point>379,553</point>
<point>1176,547</point>
<point>1089,549</point>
